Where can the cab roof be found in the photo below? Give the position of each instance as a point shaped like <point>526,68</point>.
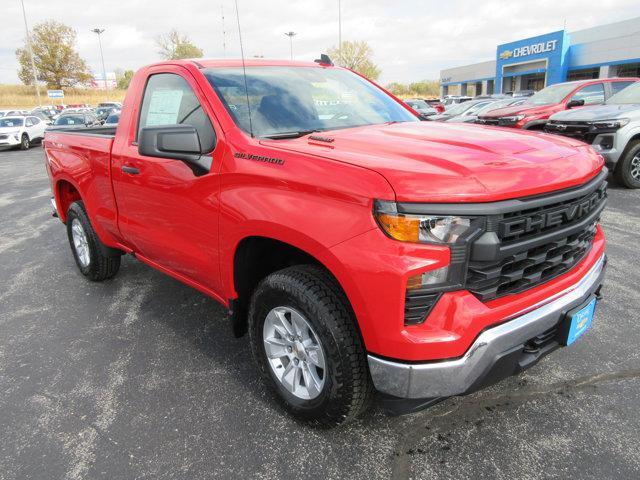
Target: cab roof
<point>237,62</point>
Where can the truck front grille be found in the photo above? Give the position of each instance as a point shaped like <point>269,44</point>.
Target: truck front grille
<point>582,131</point>
<point>495,121</point>
<point>528,268</point>
<point>529,223</point>
<point>525,247</point>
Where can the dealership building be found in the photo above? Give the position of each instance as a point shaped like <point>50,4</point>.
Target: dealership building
<point>611,50</point>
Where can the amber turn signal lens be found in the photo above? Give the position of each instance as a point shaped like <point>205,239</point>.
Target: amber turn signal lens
<point>406,229</point>
<point>414,282</point>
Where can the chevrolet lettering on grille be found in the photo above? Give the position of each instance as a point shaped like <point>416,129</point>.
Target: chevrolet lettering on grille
<point>552,218</point>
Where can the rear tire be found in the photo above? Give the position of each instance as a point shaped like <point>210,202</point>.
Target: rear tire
<point>86,247</point>
<point>345,388</point>
<point>627,171</point>
<point>25,143</point>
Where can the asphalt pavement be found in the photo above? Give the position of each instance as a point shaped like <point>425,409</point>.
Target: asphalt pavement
<point>140,377</point>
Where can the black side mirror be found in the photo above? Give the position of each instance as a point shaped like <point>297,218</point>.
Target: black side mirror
<point>180,142</point>
<point>575,103</point>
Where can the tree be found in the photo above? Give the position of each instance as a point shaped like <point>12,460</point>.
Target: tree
<point>124,79</point>
<point>57,62</point>
<point>397,88</point>
<point>425,88</point>
<point>356,56</point>
<point>174,46</point>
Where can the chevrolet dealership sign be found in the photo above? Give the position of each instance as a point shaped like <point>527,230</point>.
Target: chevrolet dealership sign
<point>533,49</point>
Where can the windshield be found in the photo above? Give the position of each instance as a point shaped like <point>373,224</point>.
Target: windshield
<point>70,120</point>
<point>418,104</point>
<point>11,122</point>
<point>552,94</point>
<point>459,108</point>
<point>295,99</point>
<point>498,104</point>
<point>627,95</point>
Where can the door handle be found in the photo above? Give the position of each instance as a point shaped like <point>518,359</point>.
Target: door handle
<point>130,170</point>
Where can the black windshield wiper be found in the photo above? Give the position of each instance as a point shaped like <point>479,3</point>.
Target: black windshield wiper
<point>301,133</point>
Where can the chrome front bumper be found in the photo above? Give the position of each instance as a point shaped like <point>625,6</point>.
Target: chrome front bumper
<point>454,377</point>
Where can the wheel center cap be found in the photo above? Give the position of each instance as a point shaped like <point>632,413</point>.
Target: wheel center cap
<point>299,350</point>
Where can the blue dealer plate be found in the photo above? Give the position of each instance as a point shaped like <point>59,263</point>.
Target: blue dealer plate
<point>581,321</point>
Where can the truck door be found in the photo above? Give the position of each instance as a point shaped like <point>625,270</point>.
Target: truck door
<point>167,209</point>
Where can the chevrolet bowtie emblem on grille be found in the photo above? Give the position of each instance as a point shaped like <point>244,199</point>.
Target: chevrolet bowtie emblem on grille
<point>561,127</point>
<point>506,54</point>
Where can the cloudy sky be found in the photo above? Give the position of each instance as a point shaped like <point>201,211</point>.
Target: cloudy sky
<point>411,39</point>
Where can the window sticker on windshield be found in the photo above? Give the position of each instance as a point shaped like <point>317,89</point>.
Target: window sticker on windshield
<point>347,96</point>
<point>164,107</point>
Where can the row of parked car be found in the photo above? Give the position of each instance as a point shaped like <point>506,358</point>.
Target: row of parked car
<point>602,112</point>
<point>23,128</point>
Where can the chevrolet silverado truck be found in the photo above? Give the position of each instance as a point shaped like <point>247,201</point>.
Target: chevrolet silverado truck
<point>361,249</point>
<point>535,112</point>
<point>613,129</point>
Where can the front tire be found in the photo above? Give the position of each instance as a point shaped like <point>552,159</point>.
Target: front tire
<point>86,246</point>
<point>627,170</point>
<point>307,347</point>
<point>25,143</point>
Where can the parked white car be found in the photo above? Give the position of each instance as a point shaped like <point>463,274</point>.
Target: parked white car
<point>21,131</point>
<point>13,113</point>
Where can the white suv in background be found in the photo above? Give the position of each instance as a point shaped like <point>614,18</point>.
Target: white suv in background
<point>21,131</point>
<point>612,128</point>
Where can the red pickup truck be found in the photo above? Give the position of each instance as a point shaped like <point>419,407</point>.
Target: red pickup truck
<point>535,112</point>
<point>361,249</point>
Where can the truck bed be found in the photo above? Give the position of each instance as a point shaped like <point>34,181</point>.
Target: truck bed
<point>109,132</point>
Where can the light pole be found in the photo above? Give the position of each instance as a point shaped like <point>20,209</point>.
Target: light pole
<point>99,31</point>
<point>224,34</point>
<point>291,35</point>
<point>33,63</point>
<point>339,33</point>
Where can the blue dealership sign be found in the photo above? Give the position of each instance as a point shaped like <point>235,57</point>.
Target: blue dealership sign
<point>546,53</point>
<point>55,93</point>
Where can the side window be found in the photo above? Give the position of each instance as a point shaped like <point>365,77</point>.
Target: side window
<point>29,122</point>
<point>617,86</point>
<point>591,94</point>
<point>169,100</point>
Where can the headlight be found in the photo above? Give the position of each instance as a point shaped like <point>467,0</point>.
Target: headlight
<point>610,124</point>
<point>513,118</point>
<point>439,229</point>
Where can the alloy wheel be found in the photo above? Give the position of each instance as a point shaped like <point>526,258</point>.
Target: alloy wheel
<point>80,243</point>
<point>294,352</point>
<point>635,167</point>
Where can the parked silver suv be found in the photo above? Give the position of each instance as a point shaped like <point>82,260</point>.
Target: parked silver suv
<point>612,128</point>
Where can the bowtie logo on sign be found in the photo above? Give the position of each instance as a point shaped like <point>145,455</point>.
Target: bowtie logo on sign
<point>533,49</point>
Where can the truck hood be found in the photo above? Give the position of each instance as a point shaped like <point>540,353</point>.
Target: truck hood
<point>530,110</point>
<point>596,112</point>
<point>449,162</point>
